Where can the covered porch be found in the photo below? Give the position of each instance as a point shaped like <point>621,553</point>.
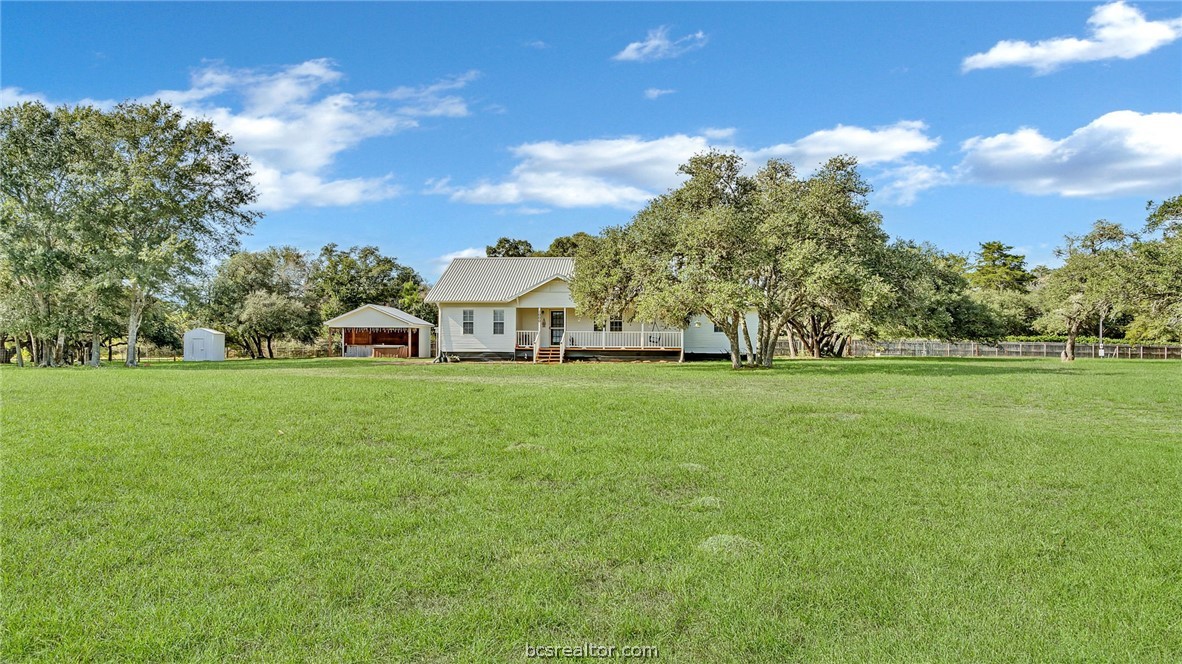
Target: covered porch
<point>550,333</point>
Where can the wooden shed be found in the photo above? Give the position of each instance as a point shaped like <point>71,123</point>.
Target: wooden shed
<point>205,345</point>
<point>373,330</point>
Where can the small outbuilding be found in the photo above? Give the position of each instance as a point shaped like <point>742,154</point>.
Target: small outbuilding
<point>373,330</point>
<point>205,345</point>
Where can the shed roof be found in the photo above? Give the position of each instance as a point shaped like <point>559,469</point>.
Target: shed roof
<point>207,329</point>
<point>398,316</point>
<point>497,279</point>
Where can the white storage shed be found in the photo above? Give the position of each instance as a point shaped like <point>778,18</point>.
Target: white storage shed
<point>205,345</point>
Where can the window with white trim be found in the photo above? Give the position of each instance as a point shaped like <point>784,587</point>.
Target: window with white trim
<point>717,329</point>
<point>615,325</point>
<point>498,321</point>
<point>469,321</point>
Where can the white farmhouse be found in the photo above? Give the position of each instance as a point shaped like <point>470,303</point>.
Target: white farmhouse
<point>514,308</point>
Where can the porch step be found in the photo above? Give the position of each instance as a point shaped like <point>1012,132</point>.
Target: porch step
<point>549,355</point>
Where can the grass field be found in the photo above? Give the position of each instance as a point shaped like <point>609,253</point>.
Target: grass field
<point>848,510</point>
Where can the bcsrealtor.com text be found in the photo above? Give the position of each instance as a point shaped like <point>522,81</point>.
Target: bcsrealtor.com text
<point>591,650</point>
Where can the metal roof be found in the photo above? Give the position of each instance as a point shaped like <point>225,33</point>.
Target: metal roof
<point>497,279</point>
<point>397,314</point>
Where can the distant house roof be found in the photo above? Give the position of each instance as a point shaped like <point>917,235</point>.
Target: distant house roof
<point>497,279</point>
<point>397,316</point>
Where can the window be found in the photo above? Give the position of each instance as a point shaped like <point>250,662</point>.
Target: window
<point>615,325</point>
<point>597,327</point>
<point>717,329</point>
<point>469,321</point>
<point>498,321</point>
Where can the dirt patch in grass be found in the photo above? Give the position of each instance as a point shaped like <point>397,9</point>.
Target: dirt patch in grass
<point>706,503</point>
<point>526,447</point>
<point>727,546</point>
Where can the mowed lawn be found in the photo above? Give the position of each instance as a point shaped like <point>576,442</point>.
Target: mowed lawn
<point>825,511</point>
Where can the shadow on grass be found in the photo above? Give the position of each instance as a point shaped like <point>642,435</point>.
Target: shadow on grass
<point>894,366</point>
<point>279,363</point>
<point>912,366</point>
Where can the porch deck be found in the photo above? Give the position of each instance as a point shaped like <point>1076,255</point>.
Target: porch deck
<point>653,340</point>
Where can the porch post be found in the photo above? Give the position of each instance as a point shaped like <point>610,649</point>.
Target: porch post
<point>642,339</point>
<point>342,342</point>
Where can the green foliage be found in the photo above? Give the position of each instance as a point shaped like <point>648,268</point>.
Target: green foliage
<point>344,280</point>
<point>111,208</point>
<point>411,301</point>
<point>930,298</point>
<point>262,296</point>
<point>997,269</point>
<point>509,248</point>
<point>1090,285</point>
<point>565,245</point>
<point>1014,311</point>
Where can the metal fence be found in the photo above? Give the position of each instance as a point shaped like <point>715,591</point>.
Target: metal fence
<point>922,348</point>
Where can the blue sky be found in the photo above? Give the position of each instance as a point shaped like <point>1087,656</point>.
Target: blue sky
<point>432,129</point>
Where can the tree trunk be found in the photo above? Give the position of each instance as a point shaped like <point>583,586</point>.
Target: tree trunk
<point>96,346</point>
<point>1068,354</point>
<point>791,343</point>
<point>751,358</point>
<point>732,336</point>
<point>36,350</point>
<point>816,334</point>
<point>20,355</point>
<point>270,353</point>
<point>134,318</point>
<point>59,349</point>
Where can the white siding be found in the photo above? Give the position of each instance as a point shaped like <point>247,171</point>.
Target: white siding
<point>204,345</point>
<point>553,295</point>
<point>424,342</point>
<point>451,330</point>
<point>704,339</point>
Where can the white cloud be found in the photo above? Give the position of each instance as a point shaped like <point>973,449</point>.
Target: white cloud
<point>658,46</point>
<point>440,263</point>
<point>1119,153</point>
<point>294,123</point>
<point>870,146</point>
<point>279,190</point>
<point>719,133</point>
<point>1117,31</point>
<point>626,172</point>
<point>431,100</point>
<point>536,43</point>
<point>11,96</point>
<point>905,183</point>
<point>656,93</point>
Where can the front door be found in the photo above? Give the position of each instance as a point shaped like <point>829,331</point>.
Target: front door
<point>557,327</point>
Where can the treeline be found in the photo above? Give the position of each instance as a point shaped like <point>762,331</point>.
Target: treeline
<point>110,222</point>
<point>123,226</point>
<point>284,293</point>
<point>810,259</point>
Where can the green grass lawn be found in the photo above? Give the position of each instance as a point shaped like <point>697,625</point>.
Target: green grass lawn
<point>347,510</point>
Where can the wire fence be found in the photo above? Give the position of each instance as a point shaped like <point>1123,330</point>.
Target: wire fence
<point>925,348</point>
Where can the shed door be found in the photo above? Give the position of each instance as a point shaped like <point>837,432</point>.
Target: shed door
<point>198,348</point>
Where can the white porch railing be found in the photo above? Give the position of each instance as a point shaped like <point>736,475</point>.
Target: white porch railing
<point>525,338</point>
<point>651,339</point>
